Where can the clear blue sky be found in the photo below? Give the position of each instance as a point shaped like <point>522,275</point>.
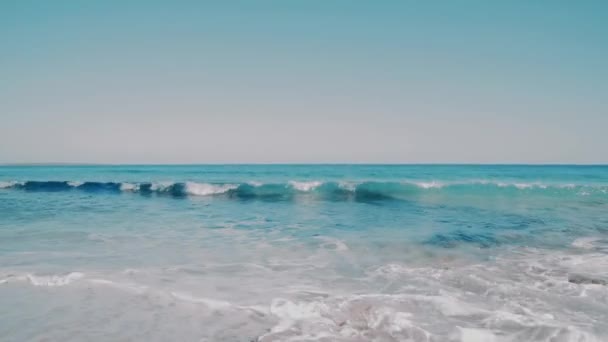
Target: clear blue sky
<point>304,81</point>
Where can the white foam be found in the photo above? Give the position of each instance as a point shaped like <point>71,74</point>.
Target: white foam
<point>521,186</point>
<point>451,306</point>
<point>205,189</point>
<point>351,318</point>
<point>331,243</point>
<point>54,280</point>
<point>305,186</point>
<point>396,323</point>
<point>161,186</point>
<point>290,313</point>
<point>501,184</point>
<point>389,270</point>
<point>75,184</point>
<point>215,304</point>
<point>5,185</point>
<point>10,277</point>
<point>211,303</point>
<point>585,242</point>
<point>430,185</point>
<point>349,186</point>
<point>129,187</point>
<point>393,271</point>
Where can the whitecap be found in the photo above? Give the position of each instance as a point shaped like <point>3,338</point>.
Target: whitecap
<point>348,186</point>
<point>305,186</point>
<point>161,186</point>
<point>429,185</point>
<point>129,187</point>
<point>205,189</point>
<point>6,185</point>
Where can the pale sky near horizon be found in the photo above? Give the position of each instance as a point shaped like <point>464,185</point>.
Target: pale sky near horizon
<point>304,81</point>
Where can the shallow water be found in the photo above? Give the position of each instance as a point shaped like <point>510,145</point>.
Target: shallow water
<point>301,253</point>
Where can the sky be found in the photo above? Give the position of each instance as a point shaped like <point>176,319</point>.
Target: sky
<point>316,81</point>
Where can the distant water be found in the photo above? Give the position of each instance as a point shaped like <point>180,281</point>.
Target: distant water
<point>304,253</point>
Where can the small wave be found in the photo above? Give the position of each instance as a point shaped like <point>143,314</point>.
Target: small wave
<point>129,287</point>
<point>45,280</point>
<point>213,304</point>
<point>54,280</point>
<point>217,304</point>
<point>329,190</point>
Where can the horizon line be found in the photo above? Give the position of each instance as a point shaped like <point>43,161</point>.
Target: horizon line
<point>42,164</point>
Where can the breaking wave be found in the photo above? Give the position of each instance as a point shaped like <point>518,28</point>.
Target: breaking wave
<point>44,280</point>
<point>330,190</point>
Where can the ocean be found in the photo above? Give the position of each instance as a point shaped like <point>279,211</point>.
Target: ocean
<point>304,253</point>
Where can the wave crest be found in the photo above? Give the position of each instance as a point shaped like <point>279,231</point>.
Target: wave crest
<point>329,190</point>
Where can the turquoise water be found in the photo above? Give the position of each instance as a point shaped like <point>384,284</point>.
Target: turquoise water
<point>304,252</point>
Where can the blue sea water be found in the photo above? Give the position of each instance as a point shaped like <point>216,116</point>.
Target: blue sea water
<point>304,253</point>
